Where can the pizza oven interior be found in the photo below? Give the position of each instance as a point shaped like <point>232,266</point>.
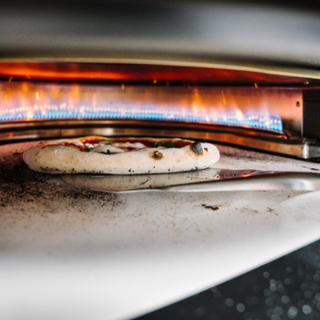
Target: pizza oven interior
<point>255,109</point>
<point>195,70</point>
<point>202,69</point>
<point>56,60</point>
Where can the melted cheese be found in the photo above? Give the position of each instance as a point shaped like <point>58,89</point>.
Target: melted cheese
<point>117,147</point>
<point>88,145</point>
<point>135,145</point>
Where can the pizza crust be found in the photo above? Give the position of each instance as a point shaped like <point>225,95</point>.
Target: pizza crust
<point>59,159</point>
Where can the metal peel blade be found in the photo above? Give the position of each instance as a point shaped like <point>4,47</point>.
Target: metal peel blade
<point>258,181</point>
<point>198,181</point>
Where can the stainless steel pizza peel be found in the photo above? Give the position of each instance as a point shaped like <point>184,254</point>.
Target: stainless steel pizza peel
<point>198,181</point>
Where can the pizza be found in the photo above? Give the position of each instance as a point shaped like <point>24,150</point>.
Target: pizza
<point>125,155</point>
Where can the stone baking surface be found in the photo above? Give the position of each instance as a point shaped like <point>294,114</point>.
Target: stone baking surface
<point>76,254</point>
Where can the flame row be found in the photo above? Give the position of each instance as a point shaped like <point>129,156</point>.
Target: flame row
<point>143,111</point>
<point>237,107</point>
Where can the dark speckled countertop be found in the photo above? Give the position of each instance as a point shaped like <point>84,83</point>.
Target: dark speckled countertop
<point>287,288</point>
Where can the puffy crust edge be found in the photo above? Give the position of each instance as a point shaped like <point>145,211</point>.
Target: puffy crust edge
<point>56,159</point>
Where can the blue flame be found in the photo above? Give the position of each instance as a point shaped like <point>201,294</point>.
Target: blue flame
<point>144,112</point>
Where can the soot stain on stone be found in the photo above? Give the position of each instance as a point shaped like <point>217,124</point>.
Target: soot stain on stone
<point>248,210</point>
<point>21,185</point>
<point>272,211</point>
<point>214,208</point>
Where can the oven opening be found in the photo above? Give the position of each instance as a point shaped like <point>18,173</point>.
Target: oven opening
<point>255,110</point>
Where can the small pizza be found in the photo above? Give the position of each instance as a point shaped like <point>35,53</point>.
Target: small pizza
<point>101,155</point>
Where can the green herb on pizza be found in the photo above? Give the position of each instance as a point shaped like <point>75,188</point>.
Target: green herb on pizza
<point>106,142</point>
<point>165,144</point>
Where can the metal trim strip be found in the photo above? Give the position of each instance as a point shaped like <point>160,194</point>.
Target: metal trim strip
<point>248,138</point>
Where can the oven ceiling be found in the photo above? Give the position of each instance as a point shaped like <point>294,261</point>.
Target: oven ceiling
<point>271,36</point>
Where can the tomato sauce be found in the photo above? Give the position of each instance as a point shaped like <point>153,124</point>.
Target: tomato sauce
<point>149,143</point>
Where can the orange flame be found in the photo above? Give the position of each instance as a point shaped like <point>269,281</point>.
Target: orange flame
<point>29,101</point>
<point>195,109</point>
<point>239,115</point>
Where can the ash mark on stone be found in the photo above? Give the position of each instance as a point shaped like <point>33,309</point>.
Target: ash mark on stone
<point>248,210</point>
<point>19,184</point>
<point>272,211</point>
<point>214,208</point>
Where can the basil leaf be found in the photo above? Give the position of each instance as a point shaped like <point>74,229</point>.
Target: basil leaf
<point>105,142</point>
<point>88,150</point>
<point>166,144</point>
<point>108,152</point>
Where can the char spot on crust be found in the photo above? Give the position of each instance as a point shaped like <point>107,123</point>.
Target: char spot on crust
<point>197,148</point>
<point>157,155</point>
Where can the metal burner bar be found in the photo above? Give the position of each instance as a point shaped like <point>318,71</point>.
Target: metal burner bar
<point>265,108</point>
<point>253,139</point>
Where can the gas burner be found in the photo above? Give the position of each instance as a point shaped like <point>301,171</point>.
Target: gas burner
<point>272,119</point>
